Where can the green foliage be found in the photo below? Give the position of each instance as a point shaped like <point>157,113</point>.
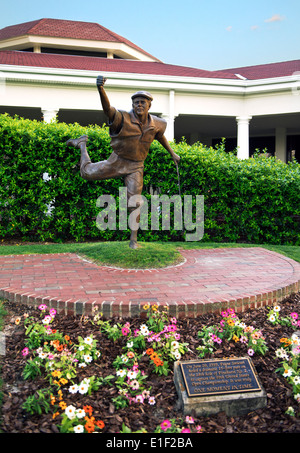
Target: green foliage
<point>255,200</point>
<point>38,403</point>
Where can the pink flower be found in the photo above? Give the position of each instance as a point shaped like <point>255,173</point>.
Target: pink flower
<point>52,312</point>
<point>125,331</point>
<point>165,425</point>
<point>250,352</point>
<point>25,352</point>
<point>172,328</point>
<point>139,399</point>
<point>294,315</point>
<point>189,419</point>
<point>42,307</point>
<point>185,430</point>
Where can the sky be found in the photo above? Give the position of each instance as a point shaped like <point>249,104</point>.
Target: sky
<point>204,34</point>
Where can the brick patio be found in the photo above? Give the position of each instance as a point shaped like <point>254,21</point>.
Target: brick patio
<point>208,281</point>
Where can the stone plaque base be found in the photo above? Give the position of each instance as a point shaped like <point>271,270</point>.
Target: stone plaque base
<point>233,404</point>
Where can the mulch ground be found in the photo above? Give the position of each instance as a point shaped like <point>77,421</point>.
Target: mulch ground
<point>271,419</point>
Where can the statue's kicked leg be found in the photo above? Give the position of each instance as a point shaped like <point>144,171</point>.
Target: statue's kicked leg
<point>80,143</point>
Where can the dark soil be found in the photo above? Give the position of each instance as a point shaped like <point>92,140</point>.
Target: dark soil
<point>271,419</point>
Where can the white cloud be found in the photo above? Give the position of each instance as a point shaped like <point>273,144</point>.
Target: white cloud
<point>275,18</point>
<point>229,28</point>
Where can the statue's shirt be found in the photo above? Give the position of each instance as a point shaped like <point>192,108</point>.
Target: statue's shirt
<point>130,139</point>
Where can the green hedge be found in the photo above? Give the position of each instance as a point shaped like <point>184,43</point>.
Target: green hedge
<point>255,200</point>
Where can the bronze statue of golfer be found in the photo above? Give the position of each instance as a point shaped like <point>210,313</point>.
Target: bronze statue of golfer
<point>131,136</point>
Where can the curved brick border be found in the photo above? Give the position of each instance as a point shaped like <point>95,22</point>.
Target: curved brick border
<point>208,281</point>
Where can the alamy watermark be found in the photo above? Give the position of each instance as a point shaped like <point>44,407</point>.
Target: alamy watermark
<point>188,213</point>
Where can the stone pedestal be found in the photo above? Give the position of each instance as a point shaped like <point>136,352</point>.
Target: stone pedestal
<point>233,404</point>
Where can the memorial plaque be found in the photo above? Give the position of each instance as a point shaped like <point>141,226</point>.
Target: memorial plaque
<point>214,377</point>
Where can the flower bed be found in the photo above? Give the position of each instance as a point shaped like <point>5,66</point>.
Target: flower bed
<point>79,374</point>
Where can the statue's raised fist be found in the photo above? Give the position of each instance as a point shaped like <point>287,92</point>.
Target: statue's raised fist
<point>100,81</point>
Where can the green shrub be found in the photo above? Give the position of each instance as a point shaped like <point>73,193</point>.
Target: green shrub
<point>255,200</point>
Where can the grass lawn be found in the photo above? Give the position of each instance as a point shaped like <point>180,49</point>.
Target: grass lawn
<point>148,255</point>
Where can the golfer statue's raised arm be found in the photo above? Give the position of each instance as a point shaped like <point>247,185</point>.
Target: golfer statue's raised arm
<point>109,111</point>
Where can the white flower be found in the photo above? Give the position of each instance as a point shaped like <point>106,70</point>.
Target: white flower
<point>86,381</point>
<point>129,344</point>
<point>47,320</point>
<point>272,318</point>
<point>295,339</point>
<point>83,388</point>
<point>288,372</point>
<point>177,355</point>
<point>80,413</point>
<point>131,374</point>
<point>81,365</point>
<point>87,358</point>
<point>124,358</point>
<point>88,340</point>
<point>73,388</point>
<point>81,348</point>
<point>281,353</point>
<point>175,344</point>
<point>296,380</point>
<point>43,355</point>
<point>78,429</point>
<point>276,308</point>
<point>297,397</point>
<point>144,330</point>
<point>70,412</point>
<point>121,373</point>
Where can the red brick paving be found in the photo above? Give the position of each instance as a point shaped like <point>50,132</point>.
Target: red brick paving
<point>209,280</point>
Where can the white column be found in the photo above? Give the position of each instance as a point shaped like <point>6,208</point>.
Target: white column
<point>170,116</point>
<point>243,136</point>
<point>280,143</point>
<point>49,114</point>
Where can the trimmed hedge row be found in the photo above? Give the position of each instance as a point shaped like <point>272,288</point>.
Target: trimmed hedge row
<point>255,200</point>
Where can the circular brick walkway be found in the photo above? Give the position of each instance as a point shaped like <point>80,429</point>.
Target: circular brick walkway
<point>209,280</point>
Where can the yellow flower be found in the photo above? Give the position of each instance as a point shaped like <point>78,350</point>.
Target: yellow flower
<point>235,338</point>
<point>154,307</point>
<point>17,320</point>
<point>62,405</point>
<point>146,307</point>
<point>63,381</point>
<point>230,322</point>
<point>56,373</point>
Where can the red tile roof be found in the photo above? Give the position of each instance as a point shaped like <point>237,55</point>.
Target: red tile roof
<point>67,29</point>
<point>266,71</point>
<point>45,60</point>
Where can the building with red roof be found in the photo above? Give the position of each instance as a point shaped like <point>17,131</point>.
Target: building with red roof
<point>48,69</point>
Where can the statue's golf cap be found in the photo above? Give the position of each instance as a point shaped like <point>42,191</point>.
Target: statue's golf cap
<point>142,94</point>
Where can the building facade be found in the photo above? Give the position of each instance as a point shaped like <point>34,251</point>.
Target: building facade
<point>48,70</point>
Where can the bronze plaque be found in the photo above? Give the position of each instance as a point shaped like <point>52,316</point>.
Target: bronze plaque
<point>214,377</point>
